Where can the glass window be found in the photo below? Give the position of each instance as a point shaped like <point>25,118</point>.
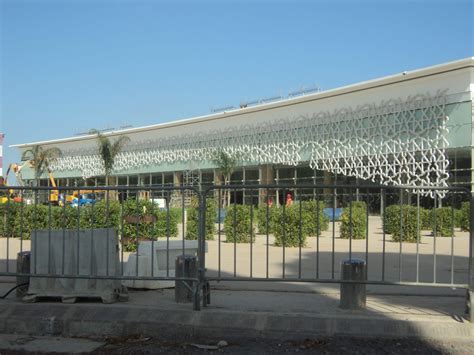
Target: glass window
<point>251,176</point>
<point>207,177</point>
<point>122,180</point>
<point>145,180</point>
<point>286,175</point>
<point>101,181</point>
<point>236,178</point>
<point>168,179</point>
<point>157,179</point>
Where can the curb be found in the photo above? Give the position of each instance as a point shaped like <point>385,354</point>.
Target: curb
<point>92,320</point>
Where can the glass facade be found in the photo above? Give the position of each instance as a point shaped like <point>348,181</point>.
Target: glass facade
<point>459,176</point>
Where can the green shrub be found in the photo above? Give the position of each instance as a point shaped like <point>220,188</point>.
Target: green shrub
<point>101,215</point>
<point>286,226</point>
<point>144,219</point>
<point>262,218</point>
<point>359,204</point>
<point>314,225</point>
<point>192,222</point>
<point>165,224</point>
<point>22,220</point>
<point>309,209</point>
<point>442,221</point>
<point>176,214</point>
<point>409,222</point>
<point>67,217</point>
<point>425,219</point>
<point>457,218</point>
<point>357,223</point>
<point>9,213</point>
<point>392,218</point>
<point>465,216</point>
<point>237,226</point>
<point>134,212</point>
<point>34,217</point>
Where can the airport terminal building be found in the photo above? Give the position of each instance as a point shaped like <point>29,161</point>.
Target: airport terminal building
<point>413,128</point>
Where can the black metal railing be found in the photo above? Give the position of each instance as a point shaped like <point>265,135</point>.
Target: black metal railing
<point>420,236</point>
<point>294,253</point>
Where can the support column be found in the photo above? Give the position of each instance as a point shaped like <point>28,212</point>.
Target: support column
<point>243,184</point>
<point>327,180</point>
<point>176,194</point>
<point>277,192</point>
<point>266,178</point>
<point>177,178</point>
<point>470,291</point>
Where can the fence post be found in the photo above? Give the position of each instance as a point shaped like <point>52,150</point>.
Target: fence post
<point>201,250</point>
<point>470,291</point>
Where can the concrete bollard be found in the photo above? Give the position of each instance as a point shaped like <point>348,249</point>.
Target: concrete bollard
<point>186,266</point>
<point>22,266</point>
<point>353,296</point>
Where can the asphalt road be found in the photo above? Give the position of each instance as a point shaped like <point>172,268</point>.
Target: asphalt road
<point>20,344</point>
<point>332,345</point>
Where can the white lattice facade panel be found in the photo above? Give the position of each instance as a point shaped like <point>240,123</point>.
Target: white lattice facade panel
<point>393,142</point>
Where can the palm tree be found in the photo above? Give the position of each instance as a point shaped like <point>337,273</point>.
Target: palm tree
<point>226,164</point>
<point>40,158</point>
<point>108,151</point>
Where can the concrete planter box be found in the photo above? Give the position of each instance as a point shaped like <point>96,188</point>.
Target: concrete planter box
<point>164,258</point>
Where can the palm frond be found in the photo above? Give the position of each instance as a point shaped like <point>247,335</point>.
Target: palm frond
<point>108,150</point>
<point>40,158</point>
<point>225,162</point>
<point>119,144</point>
<point>27,154</point>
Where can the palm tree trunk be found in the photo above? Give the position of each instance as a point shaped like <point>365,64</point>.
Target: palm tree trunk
<point>227,181</point>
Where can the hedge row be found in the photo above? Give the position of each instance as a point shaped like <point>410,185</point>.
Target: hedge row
<point>439,220</point>
<point>144,219</point>
<point>140,218</point>
<point>465,217</point>
<point>288,230</point>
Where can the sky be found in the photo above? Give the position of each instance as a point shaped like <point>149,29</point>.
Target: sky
<point>69,66</point>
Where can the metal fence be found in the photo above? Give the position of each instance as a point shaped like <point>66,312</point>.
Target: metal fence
<point>363,237</point>
<point>290,233</point>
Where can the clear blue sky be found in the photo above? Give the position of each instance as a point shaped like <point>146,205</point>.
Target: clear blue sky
<point>68,66</point>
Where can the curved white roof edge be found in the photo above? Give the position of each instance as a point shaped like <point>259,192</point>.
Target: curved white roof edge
<point>364,85</point>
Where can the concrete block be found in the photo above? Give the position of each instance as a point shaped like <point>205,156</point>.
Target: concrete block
<point>74,253</point>
<point>145,270</point>
<point>164,255</point>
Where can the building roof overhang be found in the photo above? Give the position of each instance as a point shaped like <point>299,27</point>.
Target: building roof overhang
<point>344,90</point>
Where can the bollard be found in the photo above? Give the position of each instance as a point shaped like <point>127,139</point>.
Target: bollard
<point>353,296</point>
<point>23,267</point>
<point>186,266</point>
